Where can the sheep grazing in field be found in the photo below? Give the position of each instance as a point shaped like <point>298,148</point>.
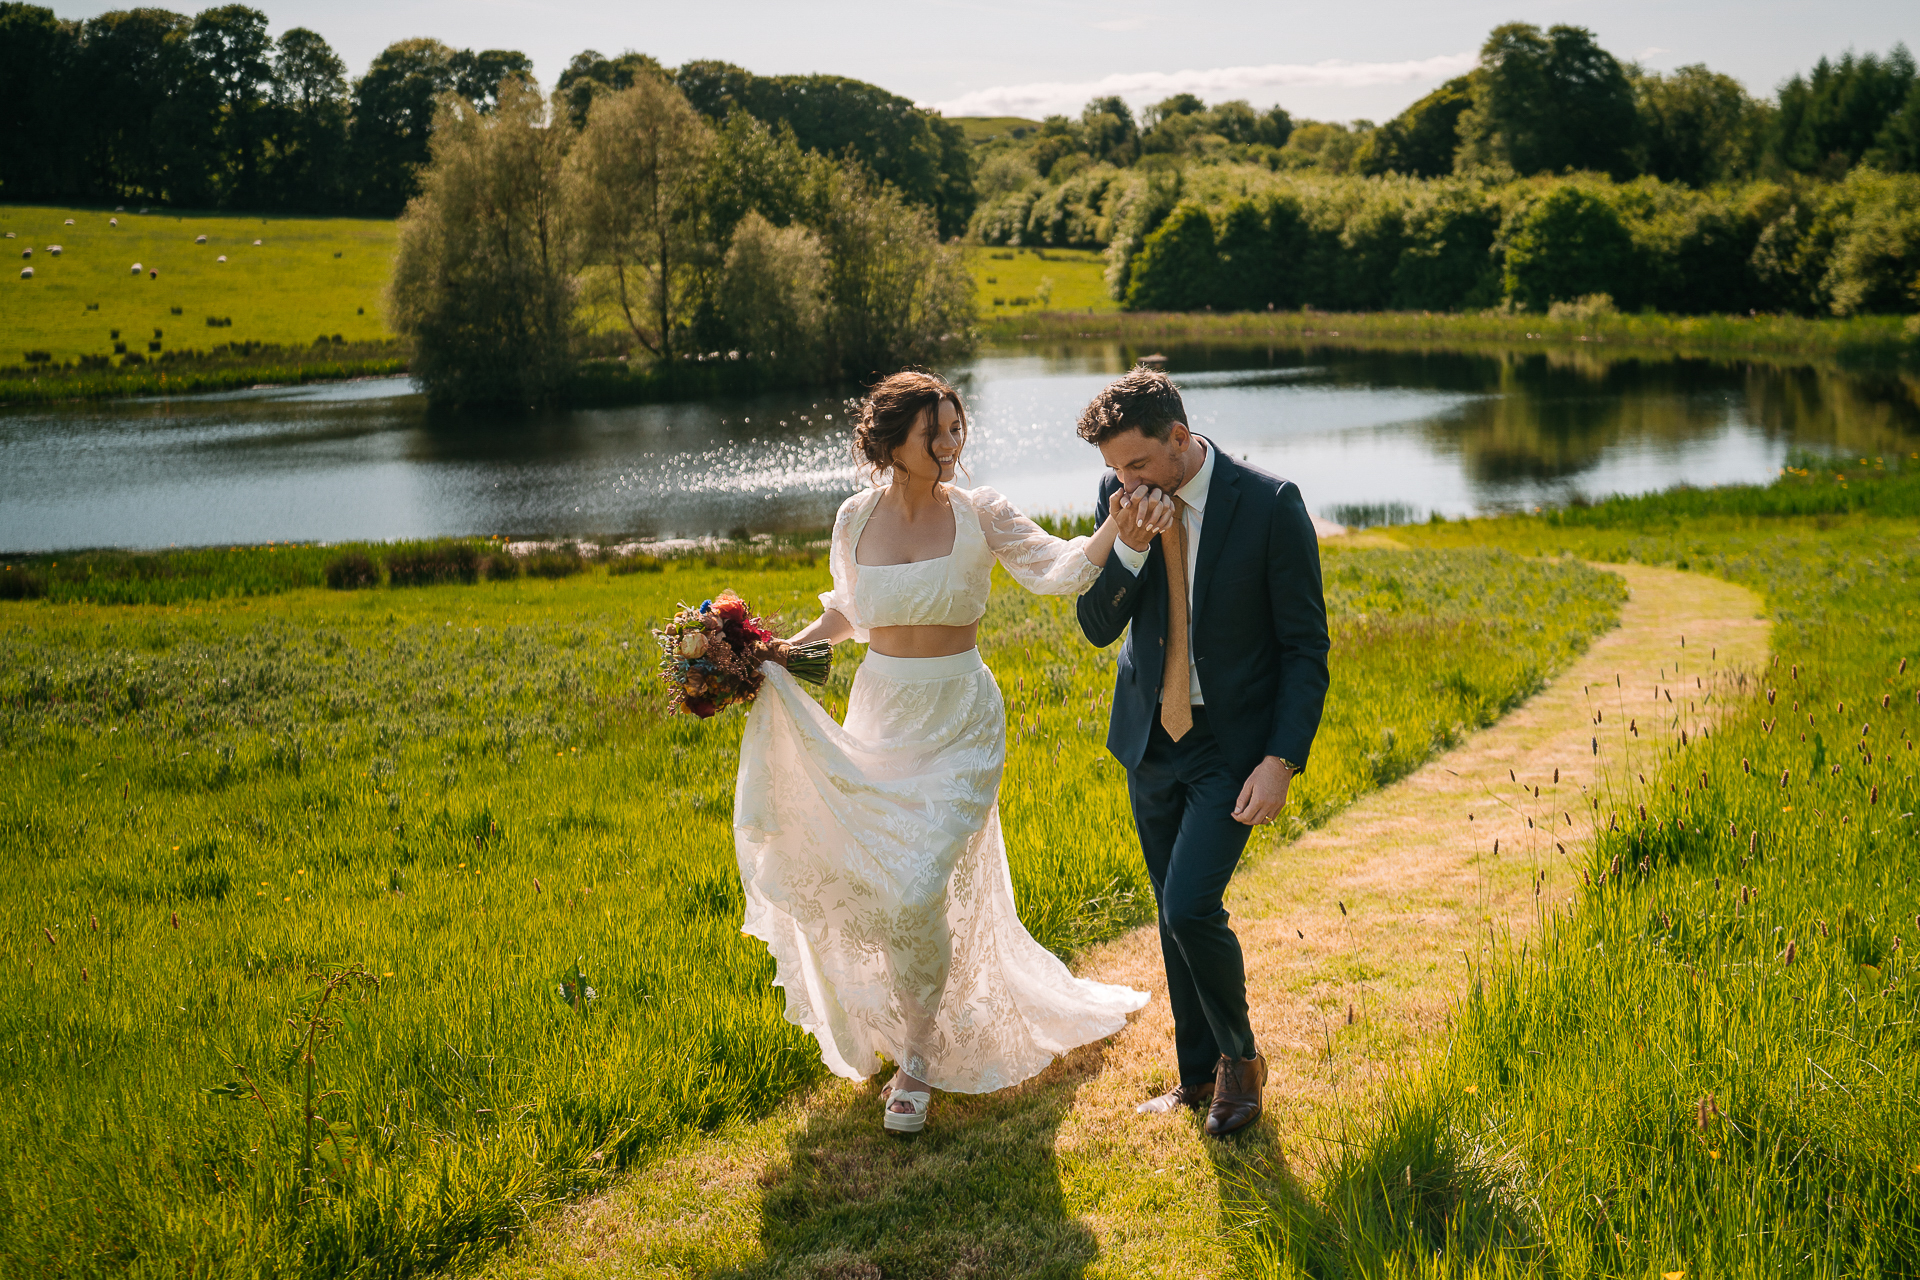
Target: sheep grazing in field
<point>54,249</point>
<point>137,268</point>
<point>199,239</point>
<point>68,222</point>
<point>26,273</point>
<point>154,274</point>
<point>26,253</point>
<point>257,244</point>
<point>9,235</point>
<point>221,258</point>
<point>113,222</point>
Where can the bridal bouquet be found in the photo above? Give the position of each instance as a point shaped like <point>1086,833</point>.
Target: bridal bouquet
<point>710,657</point>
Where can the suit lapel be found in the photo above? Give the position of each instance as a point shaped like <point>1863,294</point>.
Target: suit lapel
<point>1222,494</point>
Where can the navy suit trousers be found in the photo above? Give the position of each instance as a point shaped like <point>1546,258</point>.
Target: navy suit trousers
<point>1183,795</point>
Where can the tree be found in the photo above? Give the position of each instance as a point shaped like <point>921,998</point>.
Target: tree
<point>900,297</point>
<point>591,74</point>
<point>1829,120</point>
<point>483,275</point>
<point>1696,126</point>
<point>1107,127</point>
<point>638,176</point>
<point>143,134</point>
<point>394,108</point>
<point>926,157</point>
<point>231,48</point>
<point>1420,141</point>
<point>309,136</point>
<point>1897,146</point>
<point>1548,103</point>
<point>772,297</point>
<point>1569,244</point>
<point>40,155</point>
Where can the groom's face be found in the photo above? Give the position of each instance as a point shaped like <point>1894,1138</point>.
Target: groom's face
<point>1138,459</point>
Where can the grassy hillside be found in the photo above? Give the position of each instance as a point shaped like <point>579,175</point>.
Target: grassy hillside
<point>983,129</point>
<point>1016,283</point>
<point>307,277</point>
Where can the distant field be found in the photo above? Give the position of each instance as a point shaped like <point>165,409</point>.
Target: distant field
<point>981,129</point>
<point>309,276</point>
<point>1013,281</point>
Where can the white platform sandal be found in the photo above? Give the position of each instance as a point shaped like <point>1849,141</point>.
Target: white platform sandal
<point>904,1121</point>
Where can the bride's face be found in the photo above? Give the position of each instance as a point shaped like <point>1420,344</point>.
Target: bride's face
<point>931,453</point>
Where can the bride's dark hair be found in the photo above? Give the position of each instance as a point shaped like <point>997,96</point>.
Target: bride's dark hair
<point>893,409</point>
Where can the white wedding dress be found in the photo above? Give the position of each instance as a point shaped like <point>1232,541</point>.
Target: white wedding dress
<point>871,853</point>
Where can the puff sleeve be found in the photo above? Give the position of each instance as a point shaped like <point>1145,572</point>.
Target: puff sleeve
<point>1038,561</point>
<point>852,518</point>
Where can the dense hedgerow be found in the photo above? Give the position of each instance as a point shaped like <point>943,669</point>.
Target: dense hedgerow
<point>1239,237</point>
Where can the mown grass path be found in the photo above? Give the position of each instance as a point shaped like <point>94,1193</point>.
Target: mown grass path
<point>1358,936</point>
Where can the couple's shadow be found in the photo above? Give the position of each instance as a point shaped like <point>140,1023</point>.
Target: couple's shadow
<point>978,1194</point>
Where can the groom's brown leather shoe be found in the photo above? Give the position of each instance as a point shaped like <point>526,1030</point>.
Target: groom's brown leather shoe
<point>1237,1083</point>
<point>1181,1095</point>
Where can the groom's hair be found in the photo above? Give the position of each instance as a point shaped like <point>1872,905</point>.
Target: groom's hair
<point>1145,400</point>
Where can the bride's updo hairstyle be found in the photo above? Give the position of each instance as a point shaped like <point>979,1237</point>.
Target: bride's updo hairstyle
<point>894,410</point>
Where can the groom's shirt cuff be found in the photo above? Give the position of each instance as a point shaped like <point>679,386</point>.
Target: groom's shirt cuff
<point>1134,560</point>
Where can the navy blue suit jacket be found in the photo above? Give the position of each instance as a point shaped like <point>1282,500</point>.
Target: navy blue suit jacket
<point>1260,622</point>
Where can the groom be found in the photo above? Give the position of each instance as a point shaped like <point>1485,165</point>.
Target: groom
<point>1218,696</point>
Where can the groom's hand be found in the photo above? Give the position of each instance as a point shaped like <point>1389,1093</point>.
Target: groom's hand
<point>1265,793</point>
<point>1142,515</point>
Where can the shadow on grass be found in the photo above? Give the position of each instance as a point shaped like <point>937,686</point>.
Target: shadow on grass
<point>975,1195</point>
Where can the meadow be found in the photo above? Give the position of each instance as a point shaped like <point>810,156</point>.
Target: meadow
<point>1016,283</point>
<point>1706,1062</point>
<point>350,929</point>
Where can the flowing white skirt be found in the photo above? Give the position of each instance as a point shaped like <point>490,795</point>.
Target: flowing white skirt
<point>875,873</point>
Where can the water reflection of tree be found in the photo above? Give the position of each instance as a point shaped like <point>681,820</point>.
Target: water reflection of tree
<point>1552,416</point>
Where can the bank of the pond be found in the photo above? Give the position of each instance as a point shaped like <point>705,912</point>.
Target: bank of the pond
<point>1882,341</point>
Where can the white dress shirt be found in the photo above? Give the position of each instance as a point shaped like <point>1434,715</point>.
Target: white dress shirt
<point>1194,494</point>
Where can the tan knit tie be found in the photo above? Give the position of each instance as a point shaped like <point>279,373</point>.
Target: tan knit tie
<point>1176,693</point>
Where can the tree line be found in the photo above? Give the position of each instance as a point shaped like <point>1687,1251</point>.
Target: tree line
<point>1537,102</point>
<point>210,111</point>
<point>619,227</point>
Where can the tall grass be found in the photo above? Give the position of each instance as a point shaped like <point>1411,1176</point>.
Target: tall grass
<point>473,793</point>
<point>1711,1065</point>
<point>1875,341</point>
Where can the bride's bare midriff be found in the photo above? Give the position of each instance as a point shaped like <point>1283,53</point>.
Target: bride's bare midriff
<point>923,642</point>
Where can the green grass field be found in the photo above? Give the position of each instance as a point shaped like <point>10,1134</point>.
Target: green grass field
<point>1711,1066</point>
<point>308,277</point>
<point>217,806</point>
<point>981,129</point>
<point>1015,283</point>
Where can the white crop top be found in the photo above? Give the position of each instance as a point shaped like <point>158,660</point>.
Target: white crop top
<point>950,591</point>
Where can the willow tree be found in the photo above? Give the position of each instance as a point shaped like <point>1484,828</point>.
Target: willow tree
<point>638,178</point>
<point>483,278</point>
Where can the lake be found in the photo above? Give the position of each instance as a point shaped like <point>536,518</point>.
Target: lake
<point>1366,434</point>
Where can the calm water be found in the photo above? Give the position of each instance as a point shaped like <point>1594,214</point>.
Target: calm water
<point>1430,432</point>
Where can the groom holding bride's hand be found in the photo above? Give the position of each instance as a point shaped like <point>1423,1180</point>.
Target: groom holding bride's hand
<point>1216,703</point>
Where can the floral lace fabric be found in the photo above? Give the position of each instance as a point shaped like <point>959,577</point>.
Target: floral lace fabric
<point>874,871</point>
<point>952,590</point>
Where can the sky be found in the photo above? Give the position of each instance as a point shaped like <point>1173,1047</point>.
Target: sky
<point>1326,61</point>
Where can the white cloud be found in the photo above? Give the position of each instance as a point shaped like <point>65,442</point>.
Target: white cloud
<point>1260,85</point>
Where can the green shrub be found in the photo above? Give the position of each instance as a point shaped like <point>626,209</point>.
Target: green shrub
<point>638,562</point>
<point>499,566</point>
<point>1177,265</point>
<point>425,564</point>
<point>352,571</point>
<point>556,562</point>
<point>21,584</point>
<point>1567,245</point>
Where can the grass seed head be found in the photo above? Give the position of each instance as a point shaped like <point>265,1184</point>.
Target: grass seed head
<point>1793,949</point>
<point>176,919</point>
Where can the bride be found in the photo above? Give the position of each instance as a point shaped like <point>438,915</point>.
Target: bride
<point>871,853</point>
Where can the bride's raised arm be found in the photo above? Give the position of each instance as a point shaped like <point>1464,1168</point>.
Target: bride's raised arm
<point>1038,561</point>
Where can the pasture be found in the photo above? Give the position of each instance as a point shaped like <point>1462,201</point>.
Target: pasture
<point>308,278</point>
<point>360,856</point>
<point>1013,283</point>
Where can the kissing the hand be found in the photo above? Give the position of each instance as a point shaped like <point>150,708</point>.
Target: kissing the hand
<point>1143,514</point>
